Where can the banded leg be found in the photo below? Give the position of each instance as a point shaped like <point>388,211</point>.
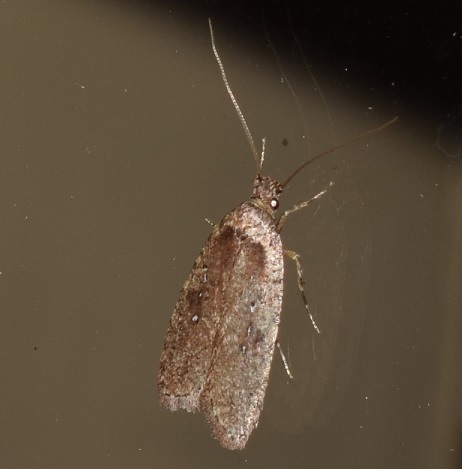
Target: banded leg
<point>296,258</point>
<point>284,360</point>
<point>299,206</point>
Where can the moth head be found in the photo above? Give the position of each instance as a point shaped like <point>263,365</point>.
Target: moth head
<point>267,191</point>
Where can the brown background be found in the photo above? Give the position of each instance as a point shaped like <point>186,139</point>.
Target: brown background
<point>118,139</point>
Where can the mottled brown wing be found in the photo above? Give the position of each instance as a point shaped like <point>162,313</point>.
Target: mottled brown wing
<point>220,343</point>
<point>187,354</point>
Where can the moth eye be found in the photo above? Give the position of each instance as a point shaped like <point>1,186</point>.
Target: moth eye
<point>195,319</point>
<point>274,203</point>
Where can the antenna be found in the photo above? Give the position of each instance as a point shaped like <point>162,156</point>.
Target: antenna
<point>258,160</point>
<point>337,147</point>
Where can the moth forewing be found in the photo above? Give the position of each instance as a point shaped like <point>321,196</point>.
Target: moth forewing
<point>220,343</point>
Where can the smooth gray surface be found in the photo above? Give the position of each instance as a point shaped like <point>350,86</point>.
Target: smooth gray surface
<point>118,139</point>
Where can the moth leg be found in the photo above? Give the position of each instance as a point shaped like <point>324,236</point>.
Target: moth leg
<point>296,258</point>
<point>213,225</point>
<point>284,360</point>
<point>299,206</point>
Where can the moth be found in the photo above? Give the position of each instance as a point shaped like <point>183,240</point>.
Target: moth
<point>220,342</point>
